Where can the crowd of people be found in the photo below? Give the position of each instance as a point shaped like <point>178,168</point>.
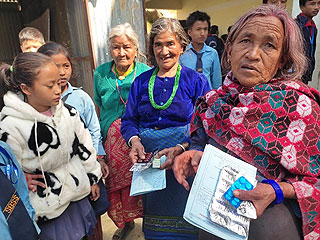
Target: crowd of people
<point>65,159</point>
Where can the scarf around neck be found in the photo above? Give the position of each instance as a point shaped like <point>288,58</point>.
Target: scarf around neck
<point>274,127</point>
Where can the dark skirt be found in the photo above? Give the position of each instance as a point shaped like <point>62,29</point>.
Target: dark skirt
<point>77,221</point>
<point>163,210</point>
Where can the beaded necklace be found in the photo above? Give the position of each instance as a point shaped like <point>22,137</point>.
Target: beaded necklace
<point>114,68</point>
<point>174,90</point>
<point>122,75</point>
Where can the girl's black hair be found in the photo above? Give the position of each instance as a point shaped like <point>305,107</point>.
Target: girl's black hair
<point>24,70</point>
<point>53,48</point>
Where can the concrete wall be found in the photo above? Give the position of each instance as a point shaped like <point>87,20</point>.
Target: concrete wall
<point>105,14</point>
<point>222,12</point>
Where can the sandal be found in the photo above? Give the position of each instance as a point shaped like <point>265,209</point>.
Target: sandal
<point>121,233</point>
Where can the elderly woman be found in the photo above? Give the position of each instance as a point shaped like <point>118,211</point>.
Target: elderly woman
<point>112,82</point>
<point>157,116</point>
<point>265,115</point>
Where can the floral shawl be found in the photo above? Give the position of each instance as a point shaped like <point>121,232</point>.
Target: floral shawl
<point>276,128</point>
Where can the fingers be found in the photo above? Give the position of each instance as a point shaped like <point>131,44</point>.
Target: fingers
<point>137,152</point>
<point>181,179</point>
<point>180,169</point>
<point>133,156</point>
<point>167,164</point>
<point>169,158</point>
<point>38,183</point>
<point>195,161</point>
<point>95,192</point>
<point>104,169</point>
<point>32,182</point>
<point>163,152</point>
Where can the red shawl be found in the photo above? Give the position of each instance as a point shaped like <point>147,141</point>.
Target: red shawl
<point>276,128</point>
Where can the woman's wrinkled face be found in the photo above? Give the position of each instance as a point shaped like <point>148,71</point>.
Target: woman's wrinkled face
<point>123,52</point>
<point>255,55</point>
<point>167,50</point>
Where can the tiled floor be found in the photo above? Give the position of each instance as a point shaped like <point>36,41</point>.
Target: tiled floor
<point>109,228</point>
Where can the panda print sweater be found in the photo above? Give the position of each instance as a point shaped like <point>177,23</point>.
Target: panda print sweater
<point>58,147</point>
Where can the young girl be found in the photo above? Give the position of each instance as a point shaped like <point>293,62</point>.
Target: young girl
<point>83,103</point>
<point>50,140</point>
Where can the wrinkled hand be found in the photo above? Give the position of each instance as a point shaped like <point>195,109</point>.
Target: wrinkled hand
<point>95,192</point>
<point>170,153</point>
<point>33,182</point>
<point>104,169</point>
<point>137,151</point>
<point>186,165</point>
<point>261,196</point>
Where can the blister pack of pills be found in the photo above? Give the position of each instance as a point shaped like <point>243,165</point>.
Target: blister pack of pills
<point>144,164</point>
<point>234,215</point>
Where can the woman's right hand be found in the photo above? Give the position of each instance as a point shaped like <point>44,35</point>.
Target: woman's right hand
<point>137,150</point>
<point>33,182</point>
<point>186,165</point>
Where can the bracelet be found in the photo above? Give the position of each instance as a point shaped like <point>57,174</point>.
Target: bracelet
<point>180,145</point>
<point>277,189</point>
<point>129,142</point>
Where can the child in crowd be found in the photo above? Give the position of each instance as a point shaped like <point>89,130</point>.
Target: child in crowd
<point>309,9</point>
<point>199,56</point>
<point>50,142</point>
<point>31,39</point>
<point>83,103</point>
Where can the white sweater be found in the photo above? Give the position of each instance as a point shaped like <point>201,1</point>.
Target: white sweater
<point>63,153</point>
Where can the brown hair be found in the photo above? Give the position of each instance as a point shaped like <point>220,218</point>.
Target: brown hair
<point>293,57</point>
<point>30,33</point>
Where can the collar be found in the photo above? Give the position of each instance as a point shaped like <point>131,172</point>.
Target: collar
<point>307,22</point>
<point>69,90</point>
<point>205,48</point>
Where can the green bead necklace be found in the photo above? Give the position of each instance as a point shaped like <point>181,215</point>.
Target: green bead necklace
<point>174,90</point>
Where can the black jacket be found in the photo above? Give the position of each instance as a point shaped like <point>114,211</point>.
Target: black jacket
<point>310,52</point>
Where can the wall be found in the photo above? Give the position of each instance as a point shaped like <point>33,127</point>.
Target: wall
<point>105,14</point>
<point>222,12</point>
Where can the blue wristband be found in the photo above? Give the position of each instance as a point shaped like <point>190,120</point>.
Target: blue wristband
<point>277,189</point>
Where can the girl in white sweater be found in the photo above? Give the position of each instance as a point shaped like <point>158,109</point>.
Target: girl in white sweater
<point>50,142</point>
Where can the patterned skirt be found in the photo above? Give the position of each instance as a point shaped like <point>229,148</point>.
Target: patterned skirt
<point>123,208</point>
<point>163,210</point>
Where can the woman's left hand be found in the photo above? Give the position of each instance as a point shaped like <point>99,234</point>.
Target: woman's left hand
<point>104,169</point>
<point>170,153</point>
<point>261,196</point>
<point>95,192</point>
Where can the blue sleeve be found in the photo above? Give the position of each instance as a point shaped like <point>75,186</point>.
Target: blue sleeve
<point>130,119</point>
<point>202,86</point>
<point>92,123</point>
<point>199,139</point>
<point>216,77</point>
